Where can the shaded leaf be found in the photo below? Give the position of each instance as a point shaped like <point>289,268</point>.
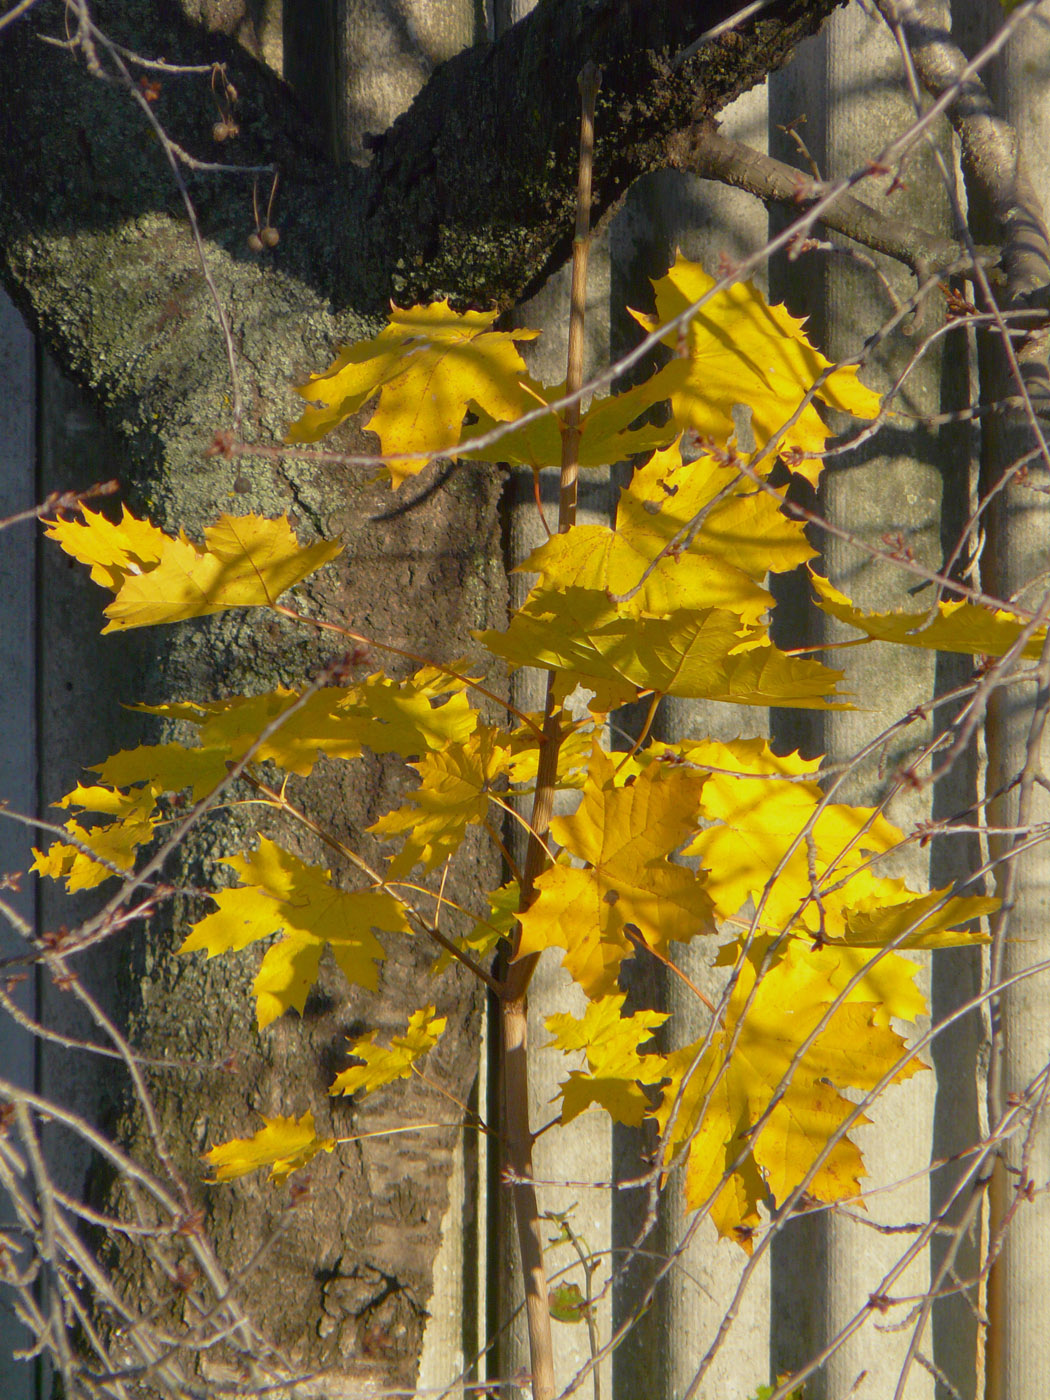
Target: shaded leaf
<point>567,1303</point>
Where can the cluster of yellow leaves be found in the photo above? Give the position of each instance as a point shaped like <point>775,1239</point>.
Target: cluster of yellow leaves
<point>670,598</point>
<point>430,367</point>
<point>758,1067</point>
<point>667,844</point>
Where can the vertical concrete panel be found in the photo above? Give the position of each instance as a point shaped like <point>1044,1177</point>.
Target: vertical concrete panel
<point>847,86</point>
<point>665,212</point>
<point>1015,566</point>
<point>18,732</point>
<point>582,1152</point>
<point>84,682</point>
<point>359,63</point>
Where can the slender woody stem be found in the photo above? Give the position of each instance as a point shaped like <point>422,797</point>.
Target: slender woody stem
<point>518,1132</point>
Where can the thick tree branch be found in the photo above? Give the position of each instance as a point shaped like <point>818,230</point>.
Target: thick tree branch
<point>713,156</point>
<point>472,190</point>
<point>991,155</point>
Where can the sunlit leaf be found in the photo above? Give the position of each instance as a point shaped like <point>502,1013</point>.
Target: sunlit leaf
<point>428,365</point>
<point>383,1066</point>
<point>426,711</point>
<point>284,1145</point>
<point>756,1054</point>
<point>453,794</point>
<point>616,1068</point>
<point>950,626</point>
<point>703,653</point>
<point>279,892</point>
<point>133,820</point>
<point>738,349</point>
<point>246,562</point>
<point>625,835</point>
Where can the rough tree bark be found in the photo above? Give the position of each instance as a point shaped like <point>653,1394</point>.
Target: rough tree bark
<point>469,196</point>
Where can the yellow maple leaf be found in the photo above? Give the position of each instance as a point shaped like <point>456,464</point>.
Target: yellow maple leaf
<point>283,1144</point>
<point>748,1061</point>
<point>760,805</point>
<point>382,1066</point>
<point>952,626</point>
<point>635,562</point>
<point>453,794</point>
<point>165,768</point>
<point>116,842</point>
<point>756,808</point>
<point>738,349</point>
<point>921,921</point>
<point>625,834</point>
<point>487,934</point>
<point>280,892</point>
<point>246,562</point>
<point>703,653</point>
<point>741,522</point>
<point>112,551</point>
<point>886,985</point>
<point>616,1067</point>
<point>429,364</point>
